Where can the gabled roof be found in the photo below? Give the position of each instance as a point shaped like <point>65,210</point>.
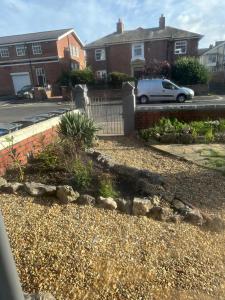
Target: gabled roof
<point>141,34</point>
<point>36,36</point>
<point>201,51</point>
<point>214,49</point>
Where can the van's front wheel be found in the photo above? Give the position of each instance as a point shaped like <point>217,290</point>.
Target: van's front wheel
<point>181,98</point>
<point>143,100</point>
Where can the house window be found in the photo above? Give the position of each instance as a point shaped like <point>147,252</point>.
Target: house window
<point>40,75</point>
<point>180,47</point>
<point>138,51</point>
<point>4,52</point>
<point>100,54</point>
<point>36,48</point>
<point>74,51</point>
<point>212,58</point>
<point>74,66</point>
<point>20,50</point>
<point>101,74</point>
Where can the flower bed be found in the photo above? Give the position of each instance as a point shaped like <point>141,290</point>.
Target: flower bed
<point>177,132</point>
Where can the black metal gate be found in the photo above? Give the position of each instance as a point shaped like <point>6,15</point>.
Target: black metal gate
<point>107,114</point>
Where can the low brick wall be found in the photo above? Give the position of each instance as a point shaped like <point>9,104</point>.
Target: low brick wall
<point>146,119</point>
<point>28,140</point>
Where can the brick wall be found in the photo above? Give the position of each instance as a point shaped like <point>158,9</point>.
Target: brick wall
<point>23,148</point>
<point>146,119</point>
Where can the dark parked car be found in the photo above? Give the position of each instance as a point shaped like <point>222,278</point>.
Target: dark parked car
<point>27,92</point>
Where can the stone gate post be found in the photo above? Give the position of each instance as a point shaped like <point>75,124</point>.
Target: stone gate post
<point>80,97</point>
<point>129,104</point>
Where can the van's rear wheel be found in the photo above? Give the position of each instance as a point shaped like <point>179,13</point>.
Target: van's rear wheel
<point>143,100</point>
<point>181,98</point>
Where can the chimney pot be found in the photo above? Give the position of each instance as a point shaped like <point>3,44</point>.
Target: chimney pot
<point>120,26</point>
<point>162,22</point>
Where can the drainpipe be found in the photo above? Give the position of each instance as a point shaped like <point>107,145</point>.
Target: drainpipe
<point>10,287</point>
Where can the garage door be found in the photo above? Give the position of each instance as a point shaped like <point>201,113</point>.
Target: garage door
<point>20,80</point>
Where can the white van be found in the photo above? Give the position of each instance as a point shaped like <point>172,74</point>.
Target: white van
<point>150,90</point>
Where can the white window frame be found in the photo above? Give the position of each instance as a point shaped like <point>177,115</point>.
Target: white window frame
<point>102,54</point>
<point>20,50</point>
<point>101,74</point>
<point>177,49</point>
<point>40,72</point>
<point>75,65</point>
<point>140,46</point>
<point>36,48</point>
<point>74,51</point>
<point>4,52</point>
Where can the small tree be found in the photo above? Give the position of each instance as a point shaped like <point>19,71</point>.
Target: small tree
<point>157,68</point>
<point>82,76</point>
<point>189,71</point>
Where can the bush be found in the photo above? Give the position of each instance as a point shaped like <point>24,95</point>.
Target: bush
<point>48,157</point>
<point>116,79</point>
<point>77,128</point>
<point>106,188</point>
<point>85,76</point>
<point>82,174</point>
<point>64,79</point>
<point>189,71</point>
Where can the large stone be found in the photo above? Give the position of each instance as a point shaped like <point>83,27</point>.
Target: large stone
<point>141,206</point>
<point>86,200</point>
<point>178,204</point>
<point>40,296</point>
<point>107,203</point>
<point>2,181</point>
<point>124,206</point>
<point>160,213</point>
<point>39,189</point>
<point>194,216</point>
<point>11,188</point>
<point>66,194</point>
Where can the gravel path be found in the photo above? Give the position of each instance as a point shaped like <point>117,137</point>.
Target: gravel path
<point>79,252</point>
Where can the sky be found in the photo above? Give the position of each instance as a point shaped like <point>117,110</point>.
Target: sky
<point>93,19</point>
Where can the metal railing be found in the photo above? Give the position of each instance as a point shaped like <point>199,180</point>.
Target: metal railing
<point>10,287</point>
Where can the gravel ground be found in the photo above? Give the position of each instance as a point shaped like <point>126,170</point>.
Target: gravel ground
<point>79,252</point>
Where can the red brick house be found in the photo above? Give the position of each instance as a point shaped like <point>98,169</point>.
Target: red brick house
<point>38,58</point>
<point>133,51</point>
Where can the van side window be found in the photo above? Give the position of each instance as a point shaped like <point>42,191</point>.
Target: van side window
<point>167,85</point>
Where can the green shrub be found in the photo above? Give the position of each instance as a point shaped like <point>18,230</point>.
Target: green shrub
<point>64,79</point>
<point>77,128</point>
<point>48,157</point>
<point>82,174</point>
<point>189,71</point>
<point>116,79</point>
<point>85,76</point>
<point>209,136</point>
<point>106,188</point>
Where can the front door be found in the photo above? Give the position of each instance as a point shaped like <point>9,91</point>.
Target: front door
<point>41,79</point>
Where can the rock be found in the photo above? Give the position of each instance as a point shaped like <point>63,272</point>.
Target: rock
<point>141,206</point>
<point>178,204</point>
<point>66,194</point>
<point>39,189</point>
<point>40,296</point>
<point>86,200</point>
<point>145,188</point>
<point>107,203</point>
<point>2,181</point>
<point>155,200</point>
<point>176,218</point>
<point>11,188</point>
<point>153,178</point>
<point>194,216</point>
<point>124,206</point>
<point>160,213</point>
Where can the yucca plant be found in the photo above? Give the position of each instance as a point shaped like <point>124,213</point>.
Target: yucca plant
<point>78,129</point>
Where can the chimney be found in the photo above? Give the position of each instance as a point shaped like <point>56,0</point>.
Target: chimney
<point>162,22</point>
<point>120,26</point>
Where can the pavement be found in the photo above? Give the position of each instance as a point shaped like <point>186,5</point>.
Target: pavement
<point>207,155</point>
<point>196,102</point>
